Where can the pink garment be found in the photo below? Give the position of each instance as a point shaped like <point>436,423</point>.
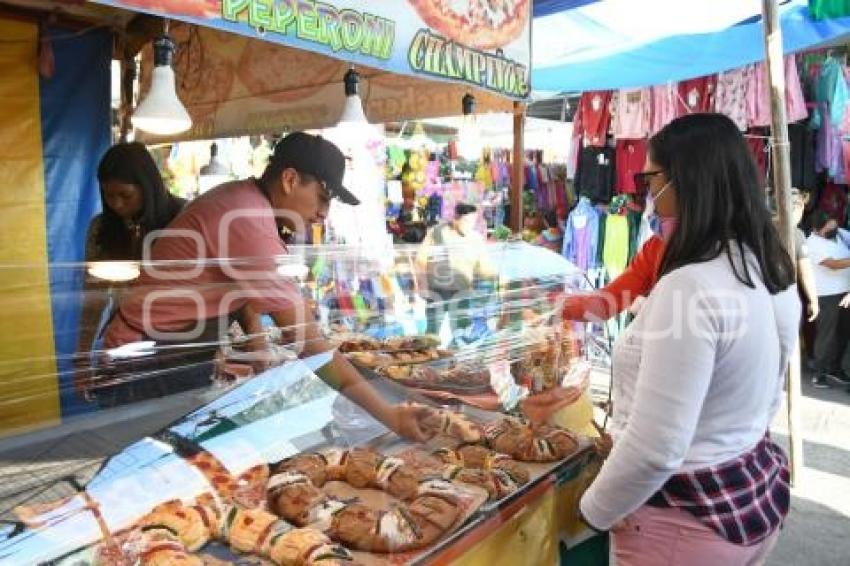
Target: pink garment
<point>754,100</point>
<point>654,536</point>
<point>730,98</point>
<point>232,221</point>
<point>795,103</point>
<point>632,110</point>
<point>664,106</point>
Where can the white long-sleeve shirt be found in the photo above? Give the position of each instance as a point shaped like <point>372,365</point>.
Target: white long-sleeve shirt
<point>697,378</point>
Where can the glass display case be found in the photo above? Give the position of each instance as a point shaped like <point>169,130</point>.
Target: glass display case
<point>274,463</point>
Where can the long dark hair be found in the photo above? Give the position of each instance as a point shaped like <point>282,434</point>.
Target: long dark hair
<point>721,203</point>
<point>131,163</point>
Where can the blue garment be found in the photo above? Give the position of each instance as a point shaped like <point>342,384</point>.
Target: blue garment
<point>581,235</point>
<point>831,88</point>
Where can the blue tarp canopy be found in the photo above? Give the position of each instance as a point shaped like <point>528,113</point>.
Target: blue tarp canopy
<point>583,45</point>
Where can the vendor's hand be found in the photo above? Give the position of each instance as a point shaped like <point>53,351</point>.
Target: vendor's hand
<point>814,309</point>
<point>406,421</point>
<point>538,407</point>
<point>845,301</point>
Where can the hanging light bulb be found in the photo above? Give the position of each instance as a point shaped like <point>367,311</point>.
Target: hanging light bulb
<point>469,142</point>
<point>352,112</point>
<point>161,112</point>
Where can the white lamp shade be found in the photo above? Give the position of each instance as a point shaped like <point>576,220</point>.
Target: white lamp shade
<point>161,111</point>
<point>352,112</point>
<point>470,144</point>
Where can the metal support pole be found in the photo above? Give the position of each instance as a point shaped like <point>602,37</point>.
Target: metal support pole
<point>518,161</point>
<point>782,191</point>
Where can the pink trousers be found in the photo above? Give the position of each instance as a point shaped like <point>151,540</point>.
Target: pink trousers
<point>653,536</point>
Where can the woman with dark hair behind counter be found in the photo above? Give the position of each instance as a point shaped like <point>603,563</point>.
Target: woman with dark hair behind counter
<point>135,203</point>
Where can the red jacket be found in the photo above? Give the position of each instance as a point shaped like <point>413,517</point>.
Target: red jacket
<point>636,281</point>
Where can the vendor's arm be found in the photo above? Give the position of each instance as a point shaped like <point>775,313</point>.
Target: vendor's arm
<point>636,281</point>
<point>344,377</point>
<point>672,383</point>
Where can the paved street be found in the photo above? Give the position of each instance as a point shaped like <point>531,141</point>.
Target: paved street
<point>818,530</point>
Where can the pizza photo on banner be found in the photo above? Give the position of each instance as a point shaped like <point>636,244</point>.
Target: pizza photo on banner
<point>481,43</point>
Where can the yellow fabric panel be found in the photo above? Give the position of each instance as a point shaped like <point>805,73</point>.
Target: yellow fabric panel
<point>576,416</point>
<point>568,523</point>
<point>529,537</point>
<point>28,381</point>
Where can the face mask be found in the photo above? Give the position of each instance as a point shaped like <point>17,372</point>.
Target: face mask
<point>664,226</point>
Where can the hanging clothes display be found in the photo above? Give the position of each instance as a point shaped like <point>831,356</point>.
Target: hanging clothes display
<point>831,97</point>
<point>730,96</point>
<point>831,90</point>
<point>759,104</point>
<point>596,172</point>
<point>664,106</point>
<point>630,156</point>
<point>696,95</point>
<point>795,100</point>
<point>632,111</point>
<point>595,108</point>
<point>581,235</point>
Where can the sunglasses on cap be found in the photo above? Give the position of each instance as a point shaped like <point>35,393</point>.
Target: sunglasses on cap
<point>642,180</point>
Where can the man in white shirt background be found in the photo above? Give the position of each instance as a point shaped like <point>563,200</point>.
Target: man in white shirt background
<point>829,250</point>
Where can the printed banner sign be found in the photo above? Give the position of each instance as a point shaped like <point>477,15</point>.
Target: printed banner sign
<point>477,42</point>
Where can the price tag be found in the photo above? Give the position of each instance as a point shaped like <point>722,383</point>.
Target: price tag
<point>502,382</point>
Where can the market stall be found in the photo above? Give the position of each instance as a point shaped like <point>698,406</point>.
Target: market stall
<point>217,79</point>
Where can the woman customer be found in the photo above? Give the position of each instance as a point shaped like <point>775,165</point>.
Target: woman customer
<point>135,203</point>
<point>693,477</point>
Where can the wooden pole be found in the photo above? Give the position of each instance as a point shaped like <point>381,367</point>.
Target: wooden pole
<point>782,191</point>
<point>518,162</point>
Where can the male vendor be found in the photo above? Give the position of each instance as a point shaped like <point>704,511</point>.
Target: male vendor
<point>219,258</point>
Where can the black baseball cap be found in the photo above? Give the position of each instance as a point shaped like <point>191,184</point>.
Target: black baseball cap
<point>316,156</point>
